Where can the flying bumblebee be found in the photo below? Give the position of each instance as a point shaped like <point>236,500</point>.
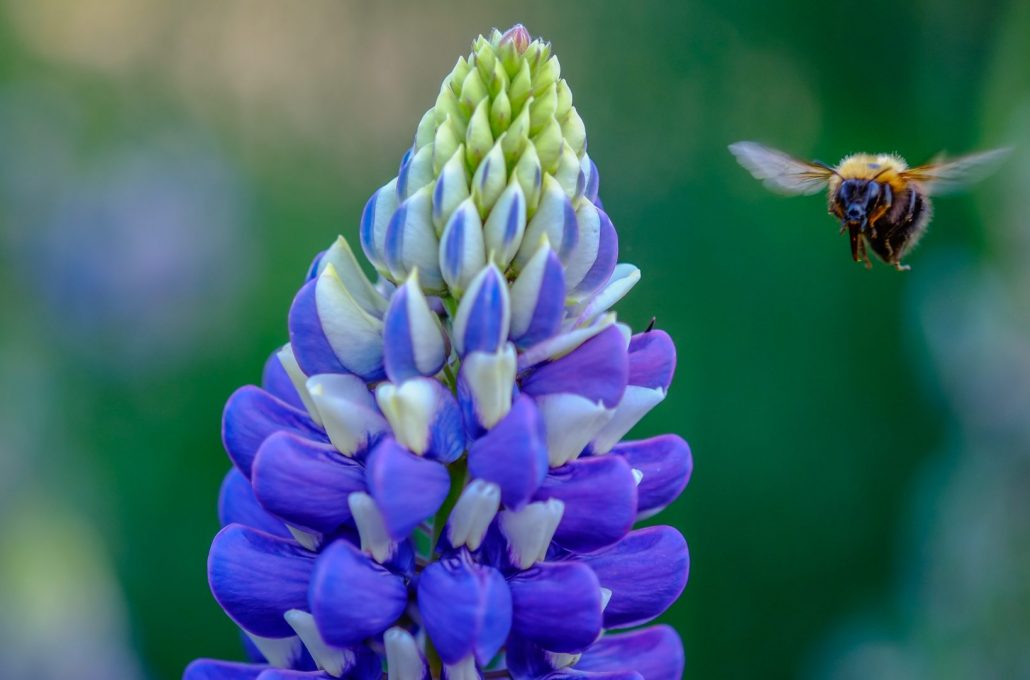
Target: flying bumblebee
<point>878,199</point>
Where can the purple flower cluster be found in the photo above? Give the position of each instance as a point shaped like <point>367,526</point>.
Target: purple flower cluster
<point>431,480</point>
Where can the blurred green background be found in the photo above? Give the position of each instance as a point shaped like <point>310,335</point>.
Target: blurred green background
<point>862,438</point>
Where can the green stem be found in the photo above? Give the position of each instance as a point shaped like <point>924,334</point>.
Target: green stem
<point>458,470</point>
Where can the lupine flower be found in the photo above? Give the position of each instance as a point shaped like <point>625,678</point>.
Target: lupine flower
<point>431,480</point>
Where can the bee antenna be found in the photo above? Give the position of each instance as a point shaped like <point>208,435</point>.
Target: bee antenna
<point>826,166</point>
<point>879,173</point>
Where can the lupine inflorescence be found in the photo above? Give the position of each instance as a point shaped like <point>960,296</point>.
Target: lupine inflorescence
<point>430,481</point>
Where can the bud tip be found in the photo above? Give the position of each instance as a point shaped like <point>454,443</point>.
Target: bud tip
<point>519,36</point>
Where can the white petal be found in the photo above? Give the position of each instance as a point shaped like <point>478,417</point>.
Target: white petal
<point>429,341</point>
<point>560,345</point>
<point>309,540</point>
<point>582,257</point>
<point>471,253</point>
<point>490,378</point>
<point>402,656</point>
<point>529,531</point>
<point>635,404</point>
<point>503,241</point>
<point>463,670</point>
<point>347,409</point>
<point>347,268</point>
<point>571,422</point>
<point>549,221</point>
<point>280,652</point>
<point>409,408</point>
<point>371,527</point>
<point>624,277</point>
<point>473,513</point>
<point>299,380</point>
<point>332,660</point>
<point>356,337</point>
<point>525,290</point>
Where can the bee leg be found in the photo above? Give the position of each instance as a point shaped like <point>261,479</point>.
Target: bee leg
<point>856,241</point>
<point>901,267</point>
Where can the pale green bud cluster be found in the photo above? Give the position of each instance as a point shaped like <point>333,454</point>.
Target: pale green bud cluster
<point>498,167</point>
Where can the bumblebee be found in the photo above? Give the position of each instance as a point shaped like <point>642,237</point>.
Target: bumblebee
<point>879,200</point>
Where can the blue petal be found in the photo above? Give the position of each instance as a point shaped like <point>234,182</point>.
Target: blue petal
<point>557,605</point>
<point>213,669</point>
<point>310,345</point>
<point>415,343</point>
<point>237,505</point>
<point>353,598</point>
<point>605,259</point>
<point>251,415</point>
<point>366,666</point>
<point>482,320</point>
<point>466,608</point>
<point>656,653</point>
<point>666,463</point>
<point>538,299</point>
<point>526,660</point>
<point>597,370</point>
<point>406,488</point>
<point>305,483</point>
<point>573,674</point>
<point>257,577</point>
<point>513,454</point>
<point>593,183</point>
<point>652,359</point>
<point>646,571</point>
<point>277,382</point>
<point>600,497</point>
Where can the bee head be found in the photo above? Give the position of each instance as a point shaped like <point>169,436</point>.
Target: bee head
<point>856,198</point>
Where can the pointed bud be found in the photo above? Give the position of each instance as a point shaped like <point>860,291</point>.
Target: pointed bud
<point>500,113</point>
<point>446,141</point>
<point>374,220</point>
<point>481,322</point>
<point>518,36</point>
<point>452,188</point>
<point>490,179</point>
<point>506,224</point>
<point>516,139</point>
<point>548,143</point>
<point>415,173</point>
<point>426,130</point>
<point>342,258</point>
<point>478,137</point>
<point>564,103</point>
<point>473,90</point>
<point>521,86</point>
<point>575,132</point>
<point>555,220</point>
<point>542,109</point>
<point>411,242</point>
<point>591,262</point>
<point>462,255</point>
<point>538,298</point>
<point>415,341</point>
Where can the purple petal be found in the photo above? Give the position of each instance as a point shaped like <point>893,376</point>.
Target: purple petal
<point>656,653</point>
<point>646,572</point>
<point>212,669</point>
<point>652,359</point>
<point>596,370</point>
<point>600,497</point>
<point>406,488</point>
<point>305,483</point>
<point>352,597</point>
<point>466,608</point>
<point>251,415</point>
<point>513,454</point>
<point>257,577</point>
<point>526,660</point>
<point>310,345</point>
<point>277,382</point>
<point>573,674</point>
<point>557,605</point>
<point>666,463</point>
<point>237,505</point>
<point>604,261</point>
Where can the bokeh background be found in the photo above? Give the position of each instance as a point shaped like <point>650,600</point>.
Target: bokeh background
<point>861,501</point>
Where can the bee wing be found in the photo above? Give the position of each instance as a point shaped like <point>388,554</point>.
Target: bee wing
<point>944,176</point>
<point>779,171</point>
